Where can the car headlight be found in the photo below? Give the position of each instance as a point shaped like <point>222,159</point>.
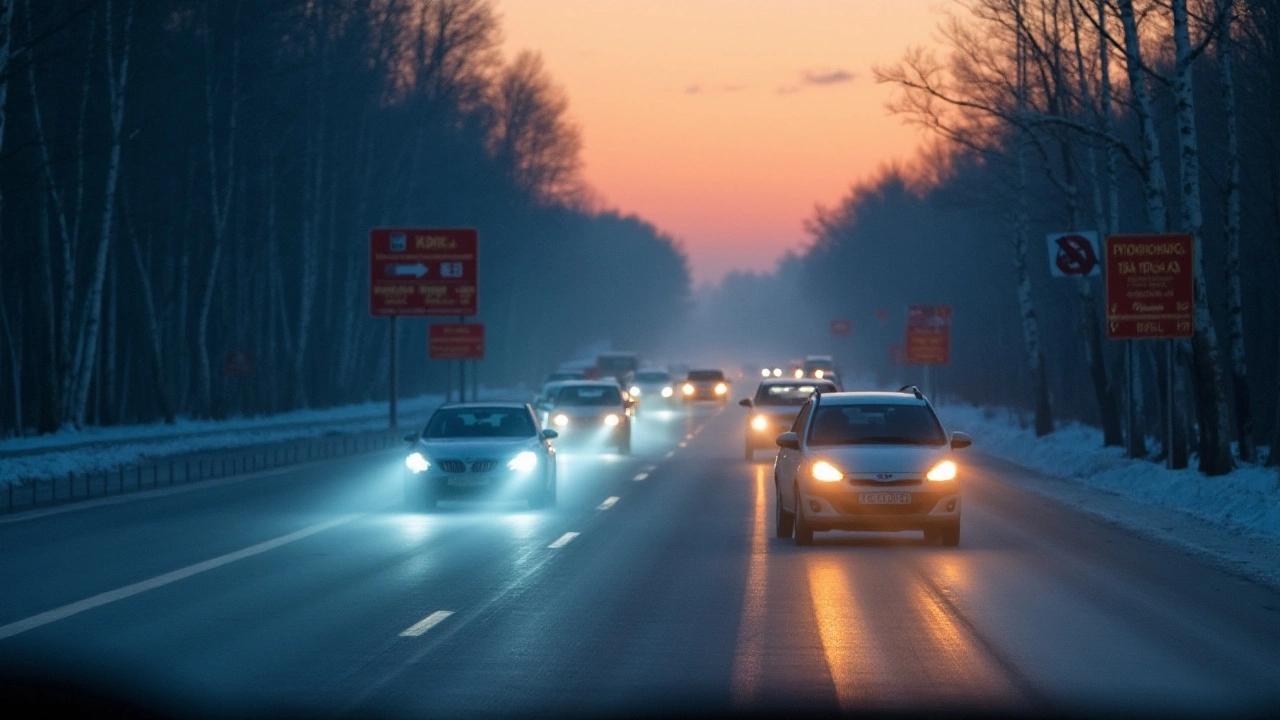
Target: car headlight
<point>688,389</point>
<point>635,391</point>
<point>945,470</point>
<point>561,420</point>
<point>721,388</point>
<point>764,372</point>
<point>799,374</point>
<point>611,420</point>
<point>777,372</point>
<point>668,392</point>
<point>417,463</point>
<point>760,422</point>
<point>826,472</point>
<point>524,462</point>
<point>818,374</point>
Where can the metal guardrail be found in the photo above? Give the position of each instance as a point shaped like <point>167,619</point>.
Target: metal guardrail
<point>188,468</point>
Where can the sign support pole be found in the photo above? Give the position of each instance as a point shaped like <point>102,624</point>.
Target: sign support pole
<point>395,372</point>
<point>462,371</point>
<point>1131,401</point>
<point>1169,408</point>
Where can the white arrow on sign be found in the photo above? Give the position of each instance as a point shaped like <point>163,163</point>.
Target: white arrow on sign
<point>417,270</point>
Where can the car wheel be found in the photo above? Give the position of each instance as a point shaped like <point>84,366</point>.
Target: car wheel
<point>783,521</point>
<point>804,533</point>
<point>949,534</point>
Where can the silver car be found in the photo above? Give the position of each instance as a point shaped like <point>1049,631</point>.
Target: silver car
<point>470,450</point>
<point>876,461</point>
<point>593,412</point>
<point>774,409</point>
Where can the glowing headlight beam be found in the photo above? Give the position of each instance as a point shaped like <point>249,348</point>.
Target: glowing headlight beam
<point>760,423</point>
<point>611,420</point>
<point>417,463</point>
<point>668,392</point>
<point>687,389</point>
<point>721,388</point>
<point>634,390</point>
<point>764,372</point>
<point>799,374</point>
<point>818,374</point>
<point>524,462</point>
<point>561,420</point>
<point>826,472</point>
<point>777,372</point>
<point>945,470</point>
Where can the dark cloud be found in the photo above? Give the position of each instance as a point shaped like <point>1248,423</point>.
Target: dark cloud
<point>818,78</point>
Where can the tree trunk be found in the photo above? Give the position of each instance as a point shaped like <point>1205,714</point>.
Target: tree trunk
<point>164,401</point>
<point>1030,323</point>
<point>1231,233</point>
<point>117,81</point>
<point>1211,401</point>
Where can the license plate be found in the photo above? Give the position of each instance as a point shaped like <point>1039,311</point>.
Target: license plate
<point>468,482</point>
<point>885,498</point>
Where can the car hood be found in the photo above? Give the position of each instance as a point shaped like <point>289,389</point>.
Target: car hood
<point>775,411</point>
<point>870,460</point>
<point>588,410</point>
<point>463,448</point>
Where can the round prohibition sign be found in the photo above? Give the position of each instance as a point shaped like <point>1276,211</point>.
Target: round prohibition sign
<point>1075,255</point>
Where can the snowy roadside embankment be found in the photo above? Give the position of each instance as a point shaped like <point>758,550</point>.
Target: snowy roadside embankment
<point>1247,500</point>
<point>97,449</point>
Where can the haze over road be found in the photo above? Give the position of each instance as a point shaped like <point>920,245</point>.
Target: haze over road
<point>655,585</point>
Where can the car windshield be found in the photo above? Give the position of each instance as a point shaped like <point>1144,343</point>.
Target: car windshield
<point>705,375</point>
<point>589,395</point>
<point>480,423</point>
<point>790,394</point>
<point>878,423</point>
<point>651,376</point>
<point>811,365</point>
<point>557,376</point>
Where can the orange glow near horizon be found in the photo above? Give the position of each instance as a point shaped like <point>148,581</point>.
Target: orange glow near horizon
<point>724,122</point>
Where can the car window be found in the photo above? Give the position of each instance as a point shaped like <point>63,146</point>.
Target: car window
<point>705,375</point>
<point>802,419</point>
<point>793,394</point>
<point>480,423</point>
<point>869,424</point>
<point>589,395</point>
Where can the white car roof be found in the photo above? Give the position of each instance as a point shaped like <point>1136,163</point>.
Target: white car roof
<point>870,398</point>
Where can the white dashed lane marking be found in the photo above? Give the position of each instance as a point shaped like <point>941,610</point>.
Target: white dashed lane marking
<point>608,503</point>
<point>426,623</point>
<point>565,539</point>
<point>640,477</point>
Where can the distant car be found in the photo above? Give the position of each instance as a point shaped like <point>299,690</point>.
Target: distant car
<point>545,399</point>
<point>566,375</point>
<point>774,408</point>
<point>467,450</point>
<point>653,387</point>
<point>593,411</point>
<point>822,367</point>
<point>771,371</point>
<point>794,369</point>
<point>620,365</point>
<point>705,385</point>
<point>868,461</point>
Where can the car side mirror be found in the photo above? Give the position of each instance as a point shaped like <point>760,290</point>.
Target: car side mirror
<point>746,403</point>
<point>550,434</point>
<point>960,440</point>
<point>788,440</point>
<point>411,437</point>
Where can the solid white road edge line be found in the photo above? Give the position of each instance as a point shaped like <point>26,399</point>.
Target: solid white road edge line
<point>564,540</point>
<point>111,596</point>
<point>426,623</point>
<point>608,502</point>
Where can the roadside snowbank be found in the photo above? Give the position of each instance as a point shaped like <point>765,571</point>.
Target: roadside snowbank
<point>97,449</point>
<point>1247,500</point>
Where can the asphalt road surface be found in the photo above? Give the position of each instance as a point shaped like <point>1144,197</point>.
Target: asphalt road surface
<point>655,587</point>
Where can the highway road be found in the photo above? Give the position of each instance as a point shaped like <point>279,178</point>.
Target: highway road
<point>654,588</point>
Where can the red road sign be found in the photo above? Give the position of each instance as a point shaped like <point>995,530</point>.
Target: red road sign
<point>422,271</point>
<point>456,341</point>
<point>237,363</point>
<point>928,335</point>
<point>841,327</point>
<point>1150,287</point>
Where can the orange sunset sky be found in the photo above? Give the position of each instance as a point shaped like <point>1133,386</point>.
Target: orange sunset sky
<point>724,122</point>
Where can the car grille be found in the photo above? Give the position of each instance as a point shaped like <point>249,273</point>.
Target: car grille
<point>453,466</point>
<point>482,466</point>
<point>871,482</point>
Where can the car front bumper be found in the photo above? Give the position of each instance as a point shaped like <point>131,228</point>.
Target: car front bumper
<point>842,507</point>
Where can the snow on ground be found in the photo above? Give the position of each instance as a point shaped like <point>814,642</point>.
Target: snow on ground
<point>1234,518</point>
<point>113,447</point>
